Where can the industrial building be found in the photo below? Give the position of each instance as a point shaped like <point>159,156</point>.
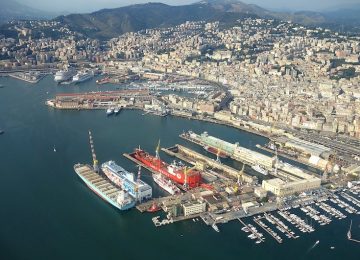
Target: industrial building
<point>192,208</point>
<point>282,188</point>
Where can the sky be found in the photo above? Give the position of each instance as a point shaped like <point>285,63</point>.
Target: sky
<point>93,5</point>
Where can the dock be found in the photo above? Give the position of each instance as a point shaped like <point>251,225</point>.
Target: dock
<point>191,157</point>
<point>271,233</point>
<point>284,155</point>
<point>256,234</point>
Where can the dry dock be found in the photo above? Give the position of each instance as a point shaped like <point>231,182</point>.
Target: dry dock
<point>149,169</point>
<point>192,157</point>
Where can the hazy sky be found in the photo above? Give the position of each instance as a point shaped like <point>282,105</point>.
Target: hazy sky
<point>92,5</point>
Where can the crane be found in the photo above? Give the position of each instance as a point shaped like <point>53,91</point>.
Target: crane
<point>157,150</point>
<point>186,170</point>
<point>95,161</point>
<point>239,174</point>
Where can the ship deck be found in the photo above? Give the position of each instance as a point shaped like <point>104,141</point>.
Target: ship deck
<point>131,158</point>
<point>105,186</point>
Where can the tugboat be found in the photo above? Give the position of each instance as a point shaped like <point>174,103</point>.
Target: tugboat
<point>154,208</point>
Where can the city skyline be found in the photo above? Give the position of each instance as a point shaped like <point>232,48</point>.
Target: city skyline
<point>93,5</point>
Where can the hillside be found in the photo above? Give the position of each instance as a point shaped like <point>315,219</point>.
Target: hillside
<point>109,23</point>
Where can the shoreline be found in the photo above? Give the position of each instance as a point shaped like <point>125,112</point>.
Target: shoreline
<point>49,103</point>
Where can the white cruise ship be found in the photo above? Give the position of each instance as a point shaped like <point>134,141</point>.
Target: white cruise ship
<point>167,185</point>
<point>260,169</point>
<point>64,75</point>
<point>83,76</point>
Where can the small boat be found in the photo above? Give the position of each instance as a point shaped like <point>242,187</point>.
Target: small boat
<point>109,111</point>
<point>117,110</point>
<point>215,227</point>
<point>332,247</point>
<point>154,207</point>
<point>54,149</point>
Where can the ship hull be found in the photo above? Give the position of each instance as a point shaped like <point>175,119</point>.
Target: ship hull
<point>216,152</point>
<point>159,166</point>
<point>103,196</point>
<point>165,186</point>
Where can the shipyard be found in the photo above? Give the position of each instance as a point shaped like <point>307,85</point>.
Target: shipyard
<point>275,200</point>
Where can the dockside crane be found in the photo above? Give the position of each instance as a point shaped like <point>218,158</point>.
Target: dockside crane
<point>157,153</point>
<point>95,161</point>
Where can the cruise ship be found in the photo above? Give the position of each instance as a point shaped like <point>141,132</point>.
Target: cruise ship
<point>101,186</point>
<point>259,169</point>
<point>166,185</point>
<point>64,75</point>
<point>82,76</point>
<point>137,188</point>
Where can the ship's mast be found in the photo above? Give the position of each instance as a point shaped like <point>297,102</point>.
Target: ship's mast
<point>95,161</point>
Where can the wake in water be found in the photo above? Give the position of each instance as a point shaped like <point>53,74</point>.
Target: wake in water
<point>313,246</point>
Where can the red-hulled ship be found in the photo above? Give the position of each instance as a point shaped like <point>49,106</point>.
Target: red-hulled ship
<point>216,151</point>
<point>176,172</point>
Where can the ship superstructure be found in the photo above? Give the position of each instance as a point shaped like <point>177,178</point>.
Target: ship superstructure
<point>82,76</point>
<point>165,184</point>
<point>126,180</point>
<point>64,75</point>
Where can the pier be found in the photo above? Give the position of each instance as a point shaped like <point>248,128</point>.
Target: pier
<point>256,234</point>
<point>268,230</point>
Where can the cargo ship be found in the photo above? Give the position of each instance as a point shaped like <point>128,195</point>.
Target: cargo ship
<point>176,171</point>
<point>101,186</point>
<point>165,184</point>
<point>216,151</point>
<point>137,188</point>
